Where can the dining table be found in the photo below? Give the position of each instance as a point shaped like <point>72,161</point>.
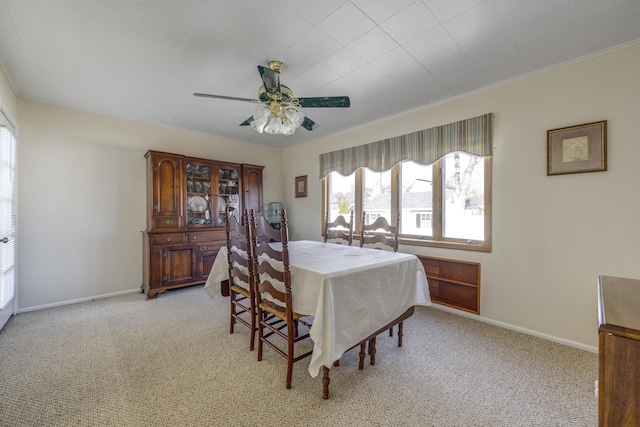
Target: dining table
<point>352,292</point>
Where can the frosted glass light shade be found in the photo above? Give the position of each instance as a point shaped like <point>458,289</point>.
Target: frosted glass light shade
<point>285,124</point>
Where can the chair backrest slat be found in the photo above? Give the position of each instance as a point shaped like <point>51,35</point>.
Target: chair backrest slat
<point>380,231</point>
<point>268,261</point>
<point>238,237</point>
<point>339,229</point>
<point>264,232</point>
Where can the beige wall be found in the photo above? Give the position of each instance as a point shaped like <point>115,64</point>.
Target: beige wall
<point>82,197</point>
<point>552,236</point>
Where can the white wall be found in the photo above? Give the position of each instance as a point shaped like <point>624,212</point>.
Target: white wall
<point>82,197</point>
<point>552,235</point>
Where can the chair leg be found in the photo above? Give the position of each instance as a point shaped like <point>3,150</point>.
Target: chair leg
<point>290,331</point>
<point>232,319</point>
<point>400,333</point>
<point>260,333</point>
<point>253,326</point>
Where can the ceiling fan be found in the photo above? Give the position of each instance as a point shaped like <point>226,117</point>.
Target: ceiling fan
<point>278,104</point>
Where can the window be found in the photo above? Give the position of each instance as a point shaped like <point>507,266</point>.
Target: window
<point>341,196</point>
<point>377,194</point>
<point>445,204</point>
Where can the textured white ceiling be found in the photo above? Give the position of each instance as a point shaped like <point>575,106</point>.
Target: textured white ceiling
<point>142,60</point>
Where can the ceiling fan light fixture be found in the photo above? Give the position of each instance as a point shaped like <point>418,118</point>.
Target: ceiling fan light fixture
<point>278,112</point>
<point>281,121</point>
<point>260,118</point>
<point>296,117</point>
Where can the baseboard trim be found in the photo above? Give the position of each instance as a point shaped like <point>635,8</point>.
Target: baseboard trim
<point>75,301</point>
<point>547,337</point>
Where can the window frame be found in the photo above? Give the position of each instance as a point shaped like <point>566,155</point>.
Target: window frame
<point>437,240</point>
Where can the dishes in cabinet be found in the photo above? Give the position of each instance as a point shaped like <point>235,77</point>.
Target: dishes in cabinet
<point>233,202</point>
<point>198,220</point>
<point>222,204</point>
<point>197,204</point>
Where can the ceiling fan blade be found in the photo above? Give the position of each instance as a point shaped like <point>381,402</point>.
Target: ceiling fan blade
<point>326,102</point>
<point>247,122</point>
<point>231,98</point>
<point>270,78</point>
<point>309,124</point>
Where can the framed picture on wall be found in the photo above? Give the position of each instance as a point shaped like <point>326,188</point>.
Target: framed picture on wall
<point>577,149</point>
<point>301,186</point>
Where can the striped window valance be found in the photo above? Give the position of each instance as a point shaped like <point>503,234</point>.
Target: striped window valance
<point>472,136</point>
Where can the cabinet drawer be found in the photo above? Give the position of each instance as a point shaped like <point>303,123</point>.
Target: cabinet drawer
<point>208,248</point>
<point>217,236</point>
<point>166,222</point>
<point>168,238</point>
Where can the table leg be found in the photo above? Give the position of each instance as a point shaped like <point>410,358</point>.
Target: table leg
<point>325,382</point>
<point>372,350</point>
<point>363,353</point>
<point>400,333</point>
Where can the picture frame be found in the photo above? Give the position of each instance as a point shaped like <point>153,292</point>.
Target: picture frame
<point>577,149</point>
<point>301,186</point>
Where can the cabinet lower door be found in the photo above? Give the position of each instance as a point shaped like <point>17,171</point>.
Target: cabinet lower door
<point>178,264</point>
<point>619,383</point>
<point>206,258</point>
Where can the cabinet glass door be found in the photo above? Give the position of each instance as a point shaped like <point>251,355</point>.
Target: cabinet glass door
<point>228,192</point>
<point>199,184</point>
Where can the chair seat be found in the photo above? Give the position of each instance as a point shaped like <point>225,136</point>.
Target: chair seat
<point>278,311</point>
<point>240,290</point>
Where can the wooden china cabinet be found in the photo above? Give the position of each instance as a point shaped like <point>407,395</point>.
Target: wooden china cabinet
<point>186,202</point>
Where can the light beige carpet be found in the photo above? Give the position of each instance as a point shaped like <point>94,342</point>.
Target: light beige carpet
<point>126,361</point>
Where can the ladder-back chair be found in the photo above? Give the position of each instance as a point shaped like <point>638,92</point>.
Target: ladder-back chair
<point>382,235</point>
<point>241,288</point>
<point>339,230</point>
<point>272,276</point>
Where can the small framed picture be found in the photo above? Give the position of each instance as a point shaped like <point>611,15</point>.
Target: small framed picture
<point>301,186</point>
<point>577,149</point>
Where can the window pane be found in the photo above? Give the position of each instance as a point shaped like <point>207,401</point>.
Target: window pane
<point>341,195</point>
<point>416,199</point>
<point>377,195</point>
<point>463,196</point>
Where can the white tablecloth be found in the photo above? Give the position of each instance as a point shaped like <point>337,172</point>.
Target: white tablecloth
<point>351,292</point>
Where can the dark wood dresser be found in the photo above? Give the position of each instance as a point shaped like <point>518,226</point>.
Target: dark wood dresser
<point>619,348</point>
